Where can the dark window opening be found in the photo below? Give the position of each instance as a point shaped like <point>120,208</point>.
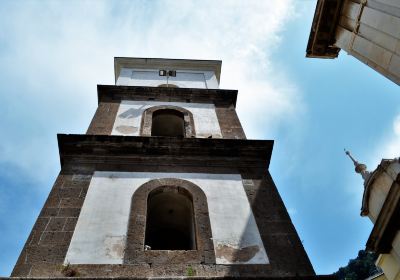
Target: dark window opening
<point>168,122</point>
<point>170,222</point>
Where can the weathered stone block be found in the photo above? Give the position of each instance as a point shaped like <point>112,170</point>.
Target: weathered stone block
<point>55,224</point>
<point>70,224</point>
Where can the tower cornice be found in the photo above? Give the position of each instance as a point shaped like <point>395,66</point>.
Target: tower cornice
<point>97,150</point>
<point>111,93</point>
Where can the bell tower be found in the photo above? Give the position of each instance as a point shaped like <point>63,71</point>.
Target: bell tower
<point>164,184</point>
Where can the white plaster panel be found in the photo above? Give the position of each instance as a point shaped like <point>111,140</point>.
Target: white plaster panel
<point>188,80</point>
<point>183,79</point>
<point>146,78</point>
<point>100,233</point>
<point>129,117</point>
<point>124,77</point>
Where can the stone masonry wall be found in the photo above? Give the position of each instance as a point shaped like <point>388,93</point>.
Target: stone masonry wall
<point>103,120</point>
<point>229,123</point>
<point>49,239</point>
<point>281,241</point>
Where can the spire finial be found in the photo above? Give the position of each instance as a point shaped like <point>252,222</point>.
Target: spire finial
<point>359,167</point>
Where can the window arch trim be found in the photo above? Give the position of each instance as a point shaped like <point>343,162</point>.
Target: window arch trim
<point>135,251</point>
<point>169,85</point>
<point>147,120</point>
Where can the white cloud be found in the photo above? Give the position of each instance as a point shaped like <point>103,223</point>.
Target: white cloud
<point>56,53</point>
<point>389,146</point>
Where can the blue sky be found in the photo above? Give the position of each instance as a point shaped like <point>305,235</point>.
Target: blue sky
<point>52,55</point>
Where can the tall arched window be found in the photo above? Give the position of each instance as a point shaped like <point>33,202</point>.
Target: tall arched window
<point>167,122</point>
<point>170,222</point>
<point>170,216</point>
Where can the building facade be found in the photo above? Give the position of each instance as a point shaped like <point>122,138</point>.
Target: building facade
<point>164,184</point>
<point>369,30</point>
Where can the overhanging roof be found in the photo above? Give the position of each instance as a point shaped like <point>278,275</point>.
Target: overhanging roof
<point>322,34</point>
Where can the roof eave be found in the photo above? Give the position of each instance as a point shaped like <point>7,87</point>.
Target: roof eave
<point>322,34</point>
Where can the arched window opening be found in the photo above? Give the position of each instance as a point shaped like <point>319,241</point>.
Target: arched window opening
<point>170,220</point>
<point>168,122</point>
<point>150,213</point>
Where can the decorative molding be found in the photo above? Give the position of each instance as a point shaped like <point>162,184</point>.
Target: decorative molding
<point>109,151</point>
<point>219,97</point>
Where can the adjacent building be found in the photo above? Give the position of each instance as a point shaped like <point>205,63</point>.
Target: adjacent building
<point>369,30</point>
<point>381,204</point>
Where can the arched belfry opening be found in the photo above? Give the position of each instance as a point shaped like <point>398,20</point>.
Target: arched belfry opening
<point>170,220</point>
<point>168,122</point>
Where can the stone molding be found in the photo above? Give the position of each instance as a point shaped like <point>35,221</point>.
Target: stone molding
<point>135,253</point>
<point>218,97</point>
<point>99,152</point>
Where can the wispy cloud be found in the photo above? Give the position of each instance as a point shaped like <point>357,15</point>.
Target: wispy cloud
<point>392,147</point>
<point>53,53</point>
<point>389,146</point>
<point>56,52</point>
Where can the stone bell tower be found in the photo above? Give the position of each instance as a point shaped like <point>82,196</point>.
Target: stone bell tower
<point>164,184</point>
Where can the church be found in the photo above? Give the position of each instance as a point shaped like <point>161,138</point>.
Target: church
<point>381,204</point>
<point>164,184</point>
